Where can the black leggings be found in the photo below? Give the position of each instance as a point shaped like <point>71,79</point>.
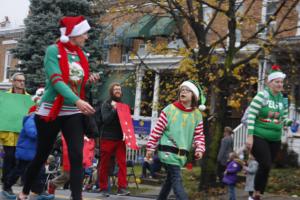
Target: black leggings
<point>72,130</point>
<point>264,152</point>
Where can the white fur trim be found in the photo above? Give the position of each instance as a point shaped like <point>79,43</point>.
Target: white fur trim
<point>78,29</point>
<point>202,107</point>
<point>192,87</point>
<point>275,75</point>
<point>64,39</point>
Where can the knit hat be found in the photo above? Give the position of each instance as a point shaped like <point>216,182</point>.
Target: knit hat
<point>73,26</point>
<point>275,73</point>
<point>198,92</point>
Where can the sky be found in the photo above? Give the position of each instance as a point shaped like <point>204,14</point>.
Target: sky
<point>16,10</point>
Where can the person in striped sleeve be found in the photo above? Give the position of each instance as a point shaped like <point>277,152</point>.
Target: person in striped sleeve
<point>62,107</point>
<point>179,127</point>
<point>265,124</point>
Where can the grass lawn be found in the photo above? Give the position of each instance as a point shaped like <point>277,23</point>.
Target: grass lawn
<point>284,181</point>
<point>281,181</point>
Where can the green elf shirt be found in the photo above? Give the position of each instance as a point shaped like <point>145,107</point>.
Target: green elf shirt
<point>180,128</point>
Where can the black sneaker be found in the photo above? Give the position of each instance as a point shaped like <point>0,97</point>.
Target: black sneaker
<point>123,192</point>
<point>104,193</point>
<point>9,194</point>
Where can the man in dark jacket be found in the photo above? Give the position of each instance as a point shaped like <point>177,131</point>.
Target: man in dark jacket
<point>226,147</point>
<point>112,143</point>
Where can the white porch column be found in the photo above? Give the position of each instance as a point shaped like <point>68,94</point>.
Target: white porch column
<point>264,64</point>
<point>155,100</point>
<point>298,21</point>
<point>138,91</point>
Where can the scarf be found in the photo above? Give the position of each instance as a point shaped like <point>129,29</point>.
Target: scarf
<point>64,68</point>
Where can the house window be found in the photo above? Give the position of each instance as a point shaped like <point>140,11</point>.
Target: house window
<point>271,8</point>
<point>7,65</point>
<point>298,23</point>
<point>142,50</point>
<point>125,58</point>
<point>239,10</point>
<point>238,33</point>
<point>105,55</point>
<point>207,14</point>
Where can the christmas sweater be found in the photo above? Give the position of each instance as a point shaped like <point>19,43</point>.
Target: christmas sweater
<point>55,84</point>
<point>266,120</point>
<point>180,128</point>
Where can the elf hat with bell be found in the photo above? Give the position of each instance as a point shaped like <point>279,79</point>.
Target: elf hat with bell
<point>197,90</point>
<point>275,73</point>
<point>72,26</point>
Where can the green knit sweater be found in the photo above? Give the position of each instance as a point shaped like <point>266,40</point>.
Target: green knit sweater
<point>268,115</point>
<point>55,84</point>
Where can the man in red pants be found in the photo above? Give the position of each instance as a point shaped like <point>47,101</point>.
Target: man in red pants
<point>112,143</point>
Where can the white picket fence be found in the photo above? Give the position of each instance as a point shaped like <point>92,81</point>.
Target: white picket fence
<point>137,156</point>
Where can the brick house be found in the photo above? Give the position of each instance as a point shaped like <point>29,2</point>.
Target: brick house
<point>125,42</point>
<point>8,40</point>
<point>127,37</point>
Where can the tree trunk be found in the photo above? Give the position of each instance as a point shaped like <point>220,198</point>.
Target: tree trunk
<point>213,133</point>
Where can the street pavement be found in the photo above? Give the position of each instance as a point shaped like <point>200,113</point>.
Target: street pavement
<point>65,195</point>
<point>151,194</point>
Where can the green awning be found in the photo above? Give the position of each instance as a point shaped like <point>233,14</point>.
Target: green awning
<point>141,28</point>
<point>163,27</point>
<point>120,77</point>
<point>118,36</point>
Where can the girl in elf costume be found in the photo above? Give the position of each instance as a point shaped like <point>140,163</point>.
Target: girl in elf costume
<point>266,119</point>
<point>62,105</point>
<point>179,127</point>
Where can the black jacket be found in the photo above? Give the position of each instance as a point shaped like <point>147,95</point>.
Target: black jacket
<point>111,128</point>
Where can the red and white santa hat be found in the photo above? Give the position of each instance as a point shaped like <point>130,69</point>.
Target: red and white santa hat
<point>73,26</point>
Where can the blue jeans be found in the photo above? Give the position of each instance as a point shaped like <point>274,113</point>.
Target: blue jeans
<point>231,192</point>
<point>173,181</point>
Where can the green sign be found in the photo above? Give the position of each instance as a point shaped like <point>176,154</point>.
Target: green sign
<point>13,107</point>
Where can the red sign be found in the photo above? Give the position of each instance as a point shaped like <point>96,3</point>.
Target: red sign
<point>127,126</point>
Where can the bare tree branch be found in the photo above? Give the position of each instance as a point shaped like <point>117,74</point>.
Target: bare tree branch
<point>285,16</point>
<point>263,27</point>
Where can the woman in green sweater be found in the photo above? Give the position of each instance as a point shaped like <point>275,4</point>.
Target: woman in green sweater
<point>268,114</point>
<point>62,106</point>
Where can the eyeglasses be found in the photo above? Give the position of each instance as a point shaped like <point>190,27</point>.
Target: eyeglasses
<point>19,80</point>
<point>185,90</point>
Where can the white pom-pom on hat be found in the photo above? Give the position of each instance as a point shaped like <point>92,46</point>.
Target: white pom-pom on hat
<point>202,107</point>
<point>64,39</point>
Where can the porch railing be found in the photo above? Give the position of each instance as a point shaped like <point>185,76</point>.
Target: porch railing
<point>137,156</point>
<point>239,137</point>
<point>240,132</point>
